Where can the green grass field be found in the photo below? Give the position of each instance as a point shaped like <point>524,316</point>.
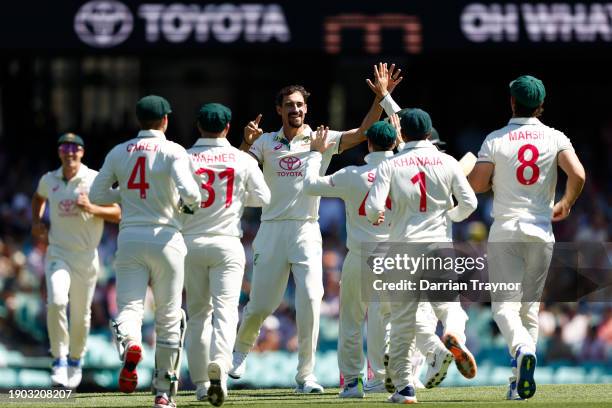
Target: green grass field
<point>589,395</point>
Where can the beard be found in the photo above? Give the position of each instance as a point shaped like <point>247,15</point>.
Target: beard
<point>295,121</point>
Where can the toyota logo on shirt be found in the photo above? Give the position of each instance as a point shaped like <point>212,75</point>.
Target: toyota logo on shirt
<point>291,165</point>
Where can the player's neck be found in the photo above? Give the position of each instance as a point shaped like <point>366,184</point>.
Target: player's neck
<point>290,132</point>
<point>70,171</point>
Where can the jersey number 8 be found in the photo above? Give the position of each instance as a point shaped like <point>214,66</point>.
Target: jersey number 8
<point>531,163</point>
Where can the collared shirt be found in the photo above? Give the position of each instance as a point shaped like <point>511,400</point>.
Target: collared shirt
<point>152,173</point>
<point>71,228</point>
<point>525,157</point>
<point>421,181</point>
<point>283,168</point>
<point>229,180</point>
<point>352,185</point>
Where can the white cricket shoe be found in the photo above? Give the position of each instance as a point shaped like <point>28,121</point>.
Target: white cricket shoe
<point>437,366</point>
<point>405,396</point>
<point>75,372</point>
<point>202,391</point>
<point>59,372</point>
<point>217,392</point>
<point>353,389</point>
<point>238,365</point>
<point>512,393</point>
<point>374,386</point>
<point>418,384</point>
<point>309,387</point>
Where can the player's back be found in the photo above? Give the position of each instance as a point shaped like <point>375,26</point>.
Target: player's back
<point>421,193</point>
<point>143,169</point>
<point>525,157</point>
<point>222,172</point>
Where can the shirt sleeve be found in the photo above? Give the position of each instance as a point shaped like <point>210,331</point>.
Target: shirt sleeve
<point>43,187</point>
<point>466,198</point>
<point>182,174</point>
<point>389,105</point>
<point>563,143</point>
<point>101,190</point>
<point>379,191</point>
<point>333,136</point>
<point>485,154</point>
<point>257,149</point>
<point>326,186</point>
<point>257,191</point>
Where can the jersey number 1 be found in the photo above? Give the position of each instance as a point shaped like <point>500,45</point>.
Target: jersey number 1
<point>420,178</point>
<point>210,179</point>
<point>139,171</point>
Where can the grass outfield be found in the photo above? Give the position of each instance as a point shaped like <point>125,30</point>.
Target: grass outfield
<point>582,395</point>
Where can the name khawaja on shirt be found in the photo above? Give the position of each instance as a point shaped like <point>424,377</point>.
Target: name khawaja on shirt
<point>417,161</point>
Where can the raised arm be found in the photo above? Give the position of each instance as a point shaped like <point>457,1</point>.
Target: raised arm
<point>314,184</point>
<point>252,131</point>
<point>466,199</point>
<point>385,81</point>
<point>570,164</point>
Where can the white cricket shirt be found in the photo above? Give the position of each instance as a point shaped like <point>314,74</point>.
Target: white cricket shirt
<point>351,184</point>
<point>71,228</point>
<point>152,173</point>
<point>284,168</point>
<point>228,179</point>
<point>525,157</point>
<point>421,181</point>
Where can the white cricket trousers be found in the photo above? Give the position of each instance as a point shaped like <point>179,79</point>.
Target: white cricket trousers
<point>402,339</point>
<point>71,278</point>
<point>214,267</point>
<point>154,255</point>
<point>353,308</point>
<point>525,259</point>
<point>453,319</point>
<point>281,247</point>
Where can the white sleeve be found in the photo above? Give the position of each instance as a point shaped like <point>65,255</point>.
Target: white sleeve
<point>333,136</point>
<point>257,191</point>
<point>563,142</point>
<point>379,191</point>
<point>101,190</point>
<point>485,154</point>
<point>182,174</point>
<point>257,149</point>
<point>326,186</point>
<point>43,187</point>
<point>389,105</point>
<point>466,198</point>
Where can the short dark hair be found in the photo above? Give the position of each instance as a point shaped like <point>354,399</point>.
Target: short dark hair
<point>146,124</point>
<point>288,90</point>
<point>523,111</point>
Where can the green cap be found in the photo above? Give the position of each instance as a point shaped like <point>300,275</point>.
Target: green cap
<point>70,138</point>
<point>152,107</point>
<point>435,138</point>
<point>528,91</point>
<point>213,117</point>
<point>382,134</point>
<point>415,122</point>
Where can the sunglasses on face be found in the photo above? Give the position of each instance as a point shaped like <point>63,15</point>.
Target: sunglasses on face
<point>69,148</point>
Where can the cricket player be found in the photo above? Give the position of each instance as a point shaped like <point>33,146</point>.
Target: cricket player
<point>153,174</point>
<point>421,182</point>
<point>289,238</point>
<point>519,162</point>
<point>229,179</point>
<point>352,184</point>
<point>438,354</point>
<point>71,264</point>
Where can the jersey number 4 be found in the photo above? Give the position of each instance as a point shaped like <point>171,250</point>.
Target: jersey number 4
<point>208,186</point>
<point>138,172</point>
<point>531,163</point>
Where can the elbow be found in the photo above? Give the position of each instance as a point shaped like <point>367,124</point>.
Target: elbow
<point>472,203</point>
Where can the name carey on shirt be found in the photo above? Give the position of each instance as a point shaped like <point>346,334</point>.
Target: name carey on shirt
<point>417,161</point>
<point>142,147</point>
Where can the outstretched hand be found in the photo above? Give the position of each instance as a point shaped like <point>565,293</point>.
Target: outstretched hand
<point>385,79</point>
<point>252,131</point>
<point>319,142</point>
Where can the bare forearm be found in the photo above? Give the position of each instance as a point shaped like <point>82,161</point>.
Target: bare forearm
<point>573,188</point>
<point>244,146</point>
<point>110,213</point>
<point>353,137</point>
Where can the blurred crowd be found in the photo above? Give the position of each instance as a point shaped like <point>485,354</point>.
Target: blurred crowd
<point>569,332</point>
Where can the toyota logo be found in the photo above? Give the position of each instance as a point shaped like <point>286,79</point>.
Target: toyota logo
<point>103,24</point>
<point>290,163</point>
